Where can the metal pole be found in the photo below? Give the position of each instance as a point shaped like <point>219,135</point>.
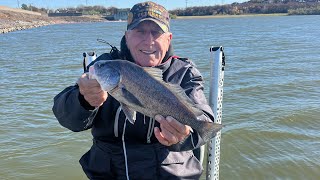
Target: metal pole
<point>215,101</point>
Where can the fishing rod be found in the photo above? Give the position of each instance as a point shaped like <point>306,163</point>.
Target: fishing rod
<point>215,101</point>
<point>88,57</point>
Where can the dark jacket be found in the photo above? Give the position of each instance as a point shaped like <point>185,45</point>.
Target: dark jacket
<point>121,149</point>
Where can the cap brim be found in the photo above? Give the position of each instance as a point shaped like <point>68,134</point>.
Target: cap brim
<point>160,24</point>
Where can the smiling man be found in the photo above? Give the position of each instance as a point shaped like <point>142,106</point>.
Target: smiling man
<point>148,43</point>
<point>153,147</point>
<point>148,37</point>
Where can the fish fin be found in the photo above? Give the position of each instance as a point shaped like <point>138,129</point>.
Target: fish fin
<point>182,96</point>
<point>90,119</point>
<point>130,114</point>
<point>154,72</point>
<point>209,130</point>
<point>130,97</point>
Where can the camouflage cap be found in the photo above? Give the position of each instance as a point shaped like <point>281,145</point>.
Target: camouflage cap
<point>148,11</point>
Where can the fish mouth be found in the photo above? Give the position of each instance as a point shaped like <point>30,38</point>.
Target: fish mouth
<point>148,52</point>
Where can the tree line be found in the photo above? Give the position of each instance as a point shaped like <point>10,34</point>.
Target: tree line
<point>291,7</point>
<point>89,10</point>
<point>252,7</point>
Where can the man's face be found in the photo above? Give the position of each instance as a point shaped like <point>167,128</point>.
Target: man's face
<point>148,44</point>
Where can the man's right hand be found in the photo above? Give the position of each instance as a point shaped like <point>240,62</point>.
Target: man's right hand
<point>91,91</point>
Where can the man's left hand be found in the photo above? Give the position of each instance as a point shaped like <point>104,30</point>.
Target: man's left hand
<point>171,131</point>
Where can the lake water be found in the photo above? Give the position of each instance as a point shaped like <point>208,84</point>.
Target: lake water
<point>271,105</point>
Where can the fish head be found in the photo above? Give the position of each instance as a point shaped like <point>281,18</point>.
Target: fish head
<point>107,76</point>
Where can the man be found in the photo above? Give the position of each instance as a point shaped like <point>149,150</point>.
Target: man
<point>159,148</point>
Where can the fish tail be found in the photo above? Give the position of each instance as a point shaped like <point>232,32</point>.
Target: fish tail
<point>210,130</point>
<point>89,120</point>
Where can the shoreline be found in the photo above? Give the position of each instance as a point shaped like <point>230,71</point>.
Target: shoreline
<point>230,16</point>
<point>12,19</point>
<point>10,26</point>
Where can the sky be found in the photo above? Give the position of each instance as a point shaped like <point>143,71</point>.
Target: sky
<point>168,4</point>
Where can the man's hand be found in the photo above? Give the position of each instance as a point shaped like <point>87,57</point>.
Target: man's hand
<point>172,131</point>
<point>91,90</point>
